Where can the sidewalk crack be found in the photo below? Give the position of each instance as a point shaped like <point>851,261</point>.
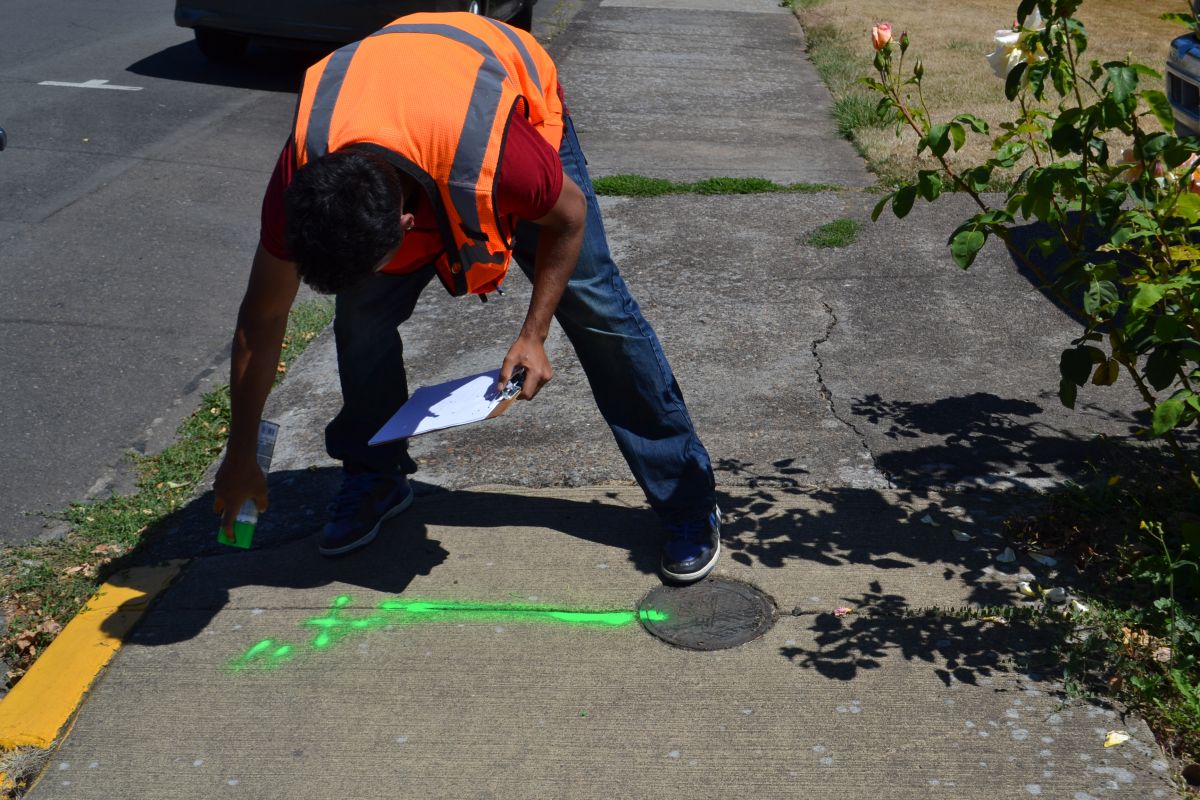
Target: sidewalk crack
<point>827,395</point>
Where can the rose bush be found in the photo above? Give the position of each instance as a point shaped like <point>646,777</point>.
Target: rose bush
<point>1119,242</point>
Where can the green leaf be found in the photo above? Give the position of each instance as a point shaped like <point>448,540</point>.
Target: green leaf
<point>1098,295</point>
<point>1066,136</point>
<point>1122,80</point>
<point>937,140</point>
<point>1146,296</point>
<point>1161,106</point>
<point>1161,367</point>
<point>975,123</point>
<point>1168,329</point>
<point>1012,84</point>
<point>1075,365</point>
<point>1008,154</point>
<point>1106,374</point>
<point>965,244</point>
<point>1154,144</point>
<point>1187,20</point>
<point>978,177</point>
<point>1188,207</point>
<point>902,203</point>
<point>1067,392</point>
<point>958,136</point>
<point>1145,72</point>
<point>929,184</point>
<point>875,212</point>
<point>1167,415</point>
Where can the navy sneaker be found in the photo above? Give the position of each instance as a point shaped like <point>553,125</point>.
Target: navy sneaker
<point>691,549</point>
<point>365,501</point>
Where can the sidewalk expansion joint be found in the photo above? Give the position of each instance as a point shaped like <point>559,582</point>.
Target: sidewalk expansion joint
<point>827,395</point>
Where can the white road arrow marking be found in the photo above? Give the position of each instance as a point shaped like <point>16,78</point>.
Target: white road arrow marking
<point>95,83</point>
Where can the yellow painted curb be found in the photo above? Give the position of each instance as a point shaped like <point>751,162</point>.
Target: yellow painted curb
<point>42,702</point>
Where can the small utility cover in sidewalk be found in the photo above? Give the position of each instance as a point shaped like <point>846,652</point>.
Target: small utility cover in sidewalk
<point>710,615</point>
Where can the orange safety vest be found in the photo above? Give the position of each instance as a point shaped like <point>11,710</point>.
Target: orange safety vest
<point>432,94</point>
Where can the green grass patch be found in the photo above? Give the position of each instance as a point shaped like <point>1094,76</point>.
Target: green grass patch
<point>839,233</point>
<point>643,186</point>
<point>1135,538</point>
<point>43,585</point>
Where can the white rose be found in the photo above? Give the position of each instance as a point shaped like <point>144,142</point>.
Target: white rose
<point>1009,53</point>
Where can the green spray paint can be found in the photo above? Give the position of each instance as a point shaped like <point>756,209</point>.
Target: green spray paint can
<point>247,518</point>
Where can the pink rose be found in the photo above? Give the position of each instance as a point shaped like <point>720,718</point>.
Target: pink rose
<point>881,34</point>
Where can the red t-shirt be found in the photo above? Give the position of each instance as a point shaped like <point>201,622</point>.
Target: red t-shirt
<point>527,186</point>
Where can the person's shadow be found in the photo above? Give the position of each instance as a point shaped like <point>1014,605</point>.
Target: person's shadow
<point>284,552</point>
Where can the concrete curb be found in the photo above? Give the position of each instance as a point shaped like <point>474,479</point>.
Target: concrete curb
<point>39,707</point>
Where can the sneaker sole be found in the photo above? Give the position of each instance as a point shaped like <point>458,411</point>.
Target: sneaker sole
<point>692,577</point>
<point>369,537</point>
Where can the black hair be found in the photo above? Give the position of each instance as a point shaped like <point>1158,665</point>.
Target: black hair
<point>343,216</point>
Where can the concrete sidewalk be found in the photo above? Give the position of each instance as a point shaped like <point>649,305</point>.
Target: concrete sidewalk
<point>860,404</point>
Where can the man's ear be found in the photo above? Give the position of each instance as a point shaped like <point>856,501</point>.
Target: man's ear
<point>407,221</point>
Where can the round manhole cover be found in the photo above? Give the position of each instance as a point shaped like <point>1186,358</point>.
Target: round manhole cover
<point>709,615</point>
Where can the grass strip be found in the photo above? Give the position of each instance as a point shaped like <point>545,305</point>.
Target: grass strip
<point>44,584</point>
<point>1134,537</point>
<point>839,233</point>
<point>643,186</point>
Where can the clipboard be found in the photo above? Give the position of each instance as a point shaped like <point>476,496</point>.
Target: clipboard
<point>462,401</point>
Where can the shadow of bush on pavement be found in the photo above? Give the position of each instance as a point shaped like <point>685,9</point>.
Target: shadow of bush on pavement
<point>995,441</point>
<point>957,649</point>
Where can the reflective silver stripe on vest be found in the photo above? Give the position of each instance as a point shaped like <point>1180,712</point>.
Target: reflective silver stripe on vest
<point>520,45</point>
<point>473,140</point>
<point>316,139</point>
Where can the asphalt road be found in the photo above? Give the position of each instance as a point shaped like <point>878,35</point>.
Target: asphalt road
<point>127,220</point>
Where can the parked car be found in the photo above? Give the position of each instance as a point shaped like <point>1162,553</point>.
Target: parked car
<point>1183,81</point>
<point>224,28</point>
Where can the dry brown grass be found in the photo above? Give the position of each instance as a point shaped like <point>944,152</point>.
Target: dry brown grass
<point>952,40</point>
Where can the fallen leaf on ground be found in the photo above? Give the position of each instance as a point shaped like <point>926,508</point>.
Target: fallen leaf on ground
<point>1028,589</point>
<point>1043,559</point>
<point>1131,638</point>
<point>1007,557</point>
<point>996,619</point>
<point>962,536</point>
<point>50,626</point>
<point>1079,607</point>
<point>1162,654</point>
<point>1056,594</point>
<point>1114,738</point>
<point>928,520</point>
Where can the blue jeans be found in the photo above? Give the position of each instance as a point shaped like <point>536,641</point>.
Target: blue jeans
<point>630,378</point>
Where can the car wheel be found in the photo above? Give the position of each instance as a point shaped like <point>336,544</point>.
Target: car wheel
<point>523,19</point>
<point>221,47</point>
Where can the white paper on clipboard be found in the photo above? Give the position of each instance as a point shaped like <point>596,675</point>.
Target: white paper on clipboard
<point>446,405</point>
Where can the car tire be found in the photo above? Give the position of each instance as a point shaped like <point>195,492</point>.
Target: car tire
<point>523,19</point>
<point>221,47</point>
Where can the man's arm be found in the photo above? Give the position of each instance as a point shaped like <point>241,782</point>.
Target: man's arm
<point>558,248</point>
<point>261,324</point>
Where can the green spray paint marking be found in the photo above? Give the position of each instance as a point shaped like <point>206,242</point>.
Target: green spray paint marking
<point>332,626</point>
<point>259,652</point>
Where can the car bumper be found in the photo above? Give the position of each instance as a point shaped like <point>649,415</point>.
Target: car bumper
<point>1183,84</point>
